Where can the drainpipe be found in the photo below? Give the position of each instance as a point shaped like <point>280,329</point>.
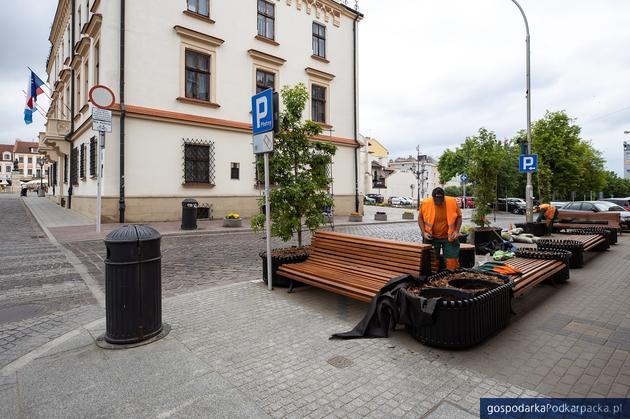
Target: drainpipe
<point>72,93</point>
<point>121,200</point>
<point>356,128</point>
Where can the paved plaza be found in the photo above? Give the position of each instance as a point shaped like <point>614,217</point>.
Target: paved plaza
<point>238,350</point>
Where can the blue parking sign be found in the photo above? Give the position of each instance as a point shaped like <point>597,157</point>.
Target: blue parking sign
<point>262,112</point>
<point>528,163</point>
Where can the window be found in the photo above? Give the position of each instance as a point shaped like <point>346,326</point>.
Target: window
<point>53,173</point>
<point>38,173</point>
<point>199,163</point>
<point>234,170</point>
<point>197,75</point>
<point>86,81</point>
<point>78,91</point>
<point>82,162</point>
<point>319,40</point>
<point>266,19</point>
<point>21,159</point>
<point>201,7</point>
<point>30,160</point>
<point>318,103</point>
<point>93,159</point>
<point>7,156</point>
<point>79,20</point>
<point>97,61</point>
<point>265,80</point>
<point>74,165</point>
<point>65,168</point>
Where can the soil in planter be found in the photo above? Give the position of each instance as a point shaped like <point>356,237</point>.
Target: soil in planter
<point>290,251</point>
<point>471,283</point>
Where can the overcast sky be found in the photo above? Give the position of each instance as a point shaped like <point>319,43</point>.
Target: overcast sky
<point>432,72</point>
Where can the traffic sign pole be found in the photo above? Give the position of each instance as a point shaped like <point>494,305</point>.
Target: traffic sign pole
<point>99,178</point>
<point>268,222</point>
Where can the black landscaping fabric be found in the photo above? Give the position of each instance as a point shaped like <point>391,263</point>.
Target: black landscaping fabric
<point>390,307</point>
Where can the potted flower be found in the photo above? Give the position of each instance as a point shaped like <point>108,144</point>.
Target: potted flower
<point>355,217</point>
<point>232,220</point>
<point>408,215</point>
<point>380,216</point>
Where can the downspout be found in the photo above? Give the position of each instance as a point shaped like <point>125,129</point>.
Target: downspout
<point>121,200</point>
<point>72,94</point>
<point>356,128</point>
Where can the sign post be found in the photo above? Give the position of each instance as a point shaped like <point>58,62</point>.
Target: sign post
<point>464,179</point>
<point>262,130</point>
<point>103,99</point>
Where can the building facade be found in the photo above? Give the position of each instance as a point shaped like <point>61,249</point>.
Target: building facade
<point>183,73</point>
<point>421,172</point>
<point>19,163</point>
<point>6,163</point>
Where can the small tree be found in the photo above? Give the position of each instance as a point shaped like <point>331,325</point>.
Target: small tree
<point>298,169</point>
<point>485,161</point>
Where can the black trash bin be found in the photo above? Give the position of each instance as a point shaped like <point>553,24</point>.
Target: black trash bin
<point>23,192</point>
<point>133,285</point>
<point>189,214</point>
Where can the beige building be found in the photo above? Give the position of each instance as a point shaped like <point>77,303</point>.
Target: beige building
<point>183,84</point>
<point>421,172</point>
<point>26,154</point>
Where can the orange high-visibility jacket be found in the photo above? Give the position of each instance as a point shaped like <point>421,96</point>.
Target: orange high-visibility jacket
<point>549,211</point>
<point>428,213</point>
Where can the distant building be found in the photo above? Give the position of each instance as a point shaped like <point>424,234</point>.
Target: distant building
<point>423,170</point>
<point>6,163</point>
<point>376,170</point>
<point>626,165</point>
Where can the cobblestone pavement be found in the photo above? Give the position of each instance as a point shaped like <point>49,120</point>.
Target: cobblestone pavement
<point>41,295</point>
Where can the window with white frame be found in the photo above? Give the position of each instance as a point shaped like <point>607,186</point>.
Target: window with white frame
<point>266,19</point>
<point>265,80</point>
<point>201,7</point>
<point>197,75</point>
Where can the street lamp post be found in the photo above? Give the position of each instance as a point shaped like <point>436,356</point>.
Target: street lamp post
<point>41,161</point>
<point>529,189</point>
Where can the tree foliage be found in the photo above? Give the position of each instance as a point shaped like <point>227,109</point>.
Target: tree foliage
<point>298,170</point>
<point>616,186</point>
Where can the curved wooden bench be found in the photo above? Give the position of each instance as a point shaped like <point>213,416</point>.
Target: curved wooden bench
<point>584,219</point>
<point>357,266</point>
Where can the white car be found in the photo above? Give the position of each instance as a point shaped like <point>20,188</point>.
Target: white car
<point>395,200</point>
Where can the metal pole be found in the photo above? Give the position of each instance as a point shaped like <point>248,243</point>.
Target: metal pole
<point>99,177</point>
<point>529,189</point>
<point>464,203</point>
<point>268,222</point>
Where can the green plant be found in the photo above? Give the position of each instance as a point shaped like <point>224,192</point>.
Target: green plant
<point>355,214</point>
<point>408,213</point>
<point>232,216</point>
<point>299,171</point>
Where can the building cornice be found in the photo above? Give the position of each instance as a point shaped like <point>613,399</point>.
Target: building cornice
<point>83,46</point>
<point>198,36</point>
<point>263,56</point>
<point>203,121</point>
<point>313,72</point>
<point>94,25</point>
<point>62,14</point>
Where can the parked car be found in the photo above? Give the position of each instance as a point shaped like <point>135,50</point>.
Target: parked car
<point>622,202</point>
<point>406,200</point>
<point>368,200</point>
<point>559,204</point>
<point>395,200</point>
<point>513,205</point>
<point>377,197</point>
<point>600,206</point>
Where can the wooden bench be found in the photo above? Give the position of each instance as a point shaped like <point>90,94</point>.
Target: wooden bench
<point>590,241</point>
<point>585,219</point>
<point>355,266</point>
<point>536,271</point>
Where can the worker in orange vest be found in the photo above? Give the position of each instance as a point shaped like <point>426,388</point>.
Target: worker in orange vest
<point>549,213</point>
<point>440,220</point>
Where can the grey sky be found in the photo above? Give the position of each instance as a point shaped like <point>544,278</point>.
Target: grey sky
<point>432,72</point>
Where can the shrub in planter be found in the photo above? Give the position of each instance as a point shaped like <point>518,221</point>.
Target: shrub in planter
<point>355,217</point>
<point>280,257</point>
<point>408,215</point>
<point>232,220</point>
<point>380,216</point>
<point>454,317</point>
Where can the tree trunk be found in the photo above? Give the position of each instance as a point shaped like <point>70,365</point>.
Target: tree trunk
<point>299,234</point>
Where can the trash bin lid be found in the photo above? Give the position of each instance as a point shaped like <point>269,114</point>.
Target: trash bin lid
<point>132,233</point>
<point>189,201</point>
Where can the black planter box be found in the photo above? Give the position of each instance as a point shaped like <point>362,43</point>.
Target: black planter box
<point>467,256</point>
<point>464,323</point>
<point>276,262</point>
<point>537,229</point>
<point>486,237</point>
<point>575,247</point>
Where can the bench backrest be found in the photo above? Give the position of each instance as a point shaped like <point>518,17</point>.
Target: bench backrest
<point>389,255</point>
<point>611,218</point>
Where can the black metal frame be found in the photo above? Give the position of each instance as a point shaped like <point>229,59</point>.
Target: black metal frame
<point>187,171</point>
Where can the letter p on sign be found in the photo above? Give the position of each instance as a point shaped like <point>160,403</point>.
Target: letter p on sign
<point>262,108</point>
<point>528,163</point>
